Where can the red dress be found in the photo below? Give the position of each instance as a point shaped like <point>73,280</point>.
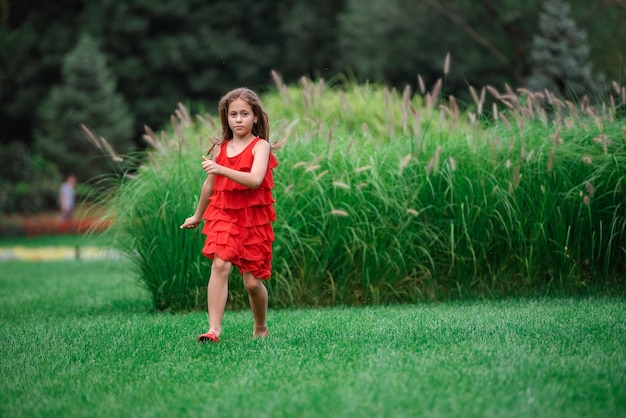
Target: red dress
<point>238,220</point>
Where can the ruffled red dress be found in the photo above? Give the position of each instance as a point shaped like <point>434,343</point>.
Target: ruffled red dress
<point>238,220</point>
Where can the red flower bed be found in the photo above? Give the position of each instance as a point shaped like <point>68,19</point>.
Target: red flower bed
<point>51,224</point>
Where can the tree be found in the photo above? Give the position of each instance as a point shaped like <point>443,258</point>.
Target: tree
<point>87,96</point>
<point>34,37</point>
<point>165,52</point>
<point>560,54</point>
<point>392,41</point>
<point>309,33</point>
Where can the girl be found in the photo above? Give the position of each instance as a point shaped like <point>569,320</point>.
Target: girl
<point>237,203</point>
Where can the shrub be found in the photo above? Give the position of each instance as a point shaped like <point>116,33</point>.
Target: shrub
<point>28,184</point>
<point>385,197</point>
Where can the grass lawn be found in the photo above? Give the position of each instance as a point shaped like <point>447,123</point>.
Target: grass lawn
<point>80,339</point>
<point>55,240</point>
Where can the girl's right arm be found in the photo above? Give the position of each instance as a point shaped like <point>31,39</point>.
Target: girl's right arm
<point>205,193</point>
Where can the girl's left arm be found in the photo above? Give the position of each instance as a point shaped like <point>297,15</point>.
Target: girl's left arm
<point>252,179</point>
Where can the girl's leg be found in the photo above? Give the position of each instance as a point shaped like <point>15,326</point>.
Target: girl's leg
<point>257,295</point>
<point>217,293</point>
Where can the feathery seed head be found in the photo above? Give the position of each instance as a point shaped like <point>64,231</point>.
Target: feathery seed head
<point>420,82</point>
<point>320,175</point>
<point>452,163</point>
<point>405,161</point>
<point>312,168</point>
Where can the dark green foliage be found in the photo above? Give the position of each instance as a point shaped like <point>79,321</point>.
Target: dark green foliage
<point>87,96</point>
<point>560,54</point>
<point>398,39</point>
<point>28,183</point>
<point>164,53</point>
<point>4,11</point>
<point>309,32</point>
<point>373,40</point>
<point>34,40</point>
<point>161,53</point>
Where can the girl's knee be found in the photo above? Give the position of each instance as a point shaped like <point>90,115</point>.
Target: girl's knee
<point>220,266</point>
<point>251,283</point>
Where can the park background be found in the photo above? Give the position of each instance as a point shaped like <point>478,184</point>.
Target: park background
<point>144,57</point>
<point>450,192</point>
<point>406,91</point>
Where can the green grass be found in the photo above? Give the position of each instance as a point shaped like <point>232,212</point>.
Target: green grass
<point>95,240</point>
<point>82,339</point>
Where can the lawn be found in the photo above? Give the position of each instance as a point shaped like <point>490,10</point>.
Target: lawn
<point>93,239</point>
<point>81,339</point>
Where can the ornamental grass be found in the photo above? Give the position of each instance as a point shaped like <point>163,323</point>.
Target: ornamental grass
<point>386,196</point>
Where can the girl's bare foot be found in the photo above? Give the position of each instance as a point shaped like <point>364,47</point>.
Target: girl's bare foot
<point>260,332</point>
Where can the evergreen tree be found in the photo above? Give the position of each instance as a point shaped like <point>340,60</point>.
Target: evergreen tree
<point>35,36</point>
<point>194,51</point>
<point>560,53</point>
<point>309,32</point>
<point>87,96</point>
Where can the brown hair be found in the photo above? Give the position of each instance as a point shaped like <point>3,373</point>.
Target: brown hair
<point>261,128</point>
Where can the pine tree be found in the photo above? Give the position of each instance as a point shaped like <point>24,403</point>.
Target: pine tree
<point>87,96</point>
<point>560,54</point>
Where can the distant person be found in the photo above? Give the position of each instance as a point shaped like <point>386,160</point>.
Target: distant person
<point>67,197</point>
<point>237,204</point>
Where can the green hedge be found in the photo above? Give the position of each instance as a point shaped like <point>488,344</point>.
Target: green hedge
<point>386,197</point>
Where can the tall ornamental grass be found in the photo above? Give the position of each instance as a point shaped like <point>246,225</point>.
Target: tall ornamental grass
<point>148,208</point>
<point>386,196</point>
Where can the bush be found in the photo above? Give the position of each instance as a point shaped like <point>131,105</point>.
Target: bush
<point>28,183</point>
<point>385,197</point>
<point>148,209</point>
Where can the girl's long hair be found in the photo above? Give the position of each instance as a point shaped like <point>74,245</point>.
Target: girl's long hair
<point>261,128</point>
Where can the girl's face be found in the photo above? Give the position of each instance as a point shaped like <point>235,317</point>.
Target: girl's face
<point>240,118</point>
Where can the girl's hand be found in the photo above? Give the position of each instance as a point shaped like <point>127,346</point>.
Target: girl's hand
<point>191,222</point>
<point>210,166</point>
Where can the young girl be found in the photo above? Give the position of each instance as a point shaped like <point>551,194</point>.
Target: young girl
<point>237,203</point>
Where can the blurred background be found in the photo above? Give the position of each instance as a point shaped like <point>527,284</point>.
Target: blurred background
<point>118,66</point>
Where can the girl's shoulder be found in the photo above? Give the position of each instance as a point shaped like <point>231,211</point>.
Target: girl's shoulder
<point>264,148</point>
<point>261,144</point>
